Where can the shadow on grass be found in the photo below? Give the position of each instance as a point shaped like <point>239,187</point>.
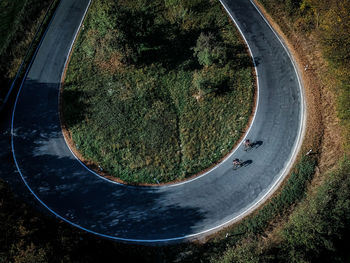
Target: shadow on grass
<point>223,88</point>
<point>5,85</point>
<point>73,108</point>
<point>154,42</point>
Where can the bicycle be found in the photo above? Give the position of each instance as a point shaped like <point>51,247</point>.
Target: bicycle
<point>248,145</point>
<point>237,164</point>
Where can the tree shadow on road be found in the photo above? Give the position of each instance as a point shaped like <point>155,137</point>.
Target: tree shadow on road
<point>77,195</point>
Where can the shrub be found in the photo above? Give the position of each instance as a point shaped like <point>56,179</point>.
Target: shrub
<point>209,50</point>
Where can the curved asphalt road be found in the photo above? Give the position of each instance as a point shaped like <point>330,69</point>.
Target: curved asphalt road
<point>154,214</point>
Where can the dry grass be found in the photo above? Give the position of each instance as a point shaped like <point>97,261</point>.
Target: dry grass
<point>323,133</point>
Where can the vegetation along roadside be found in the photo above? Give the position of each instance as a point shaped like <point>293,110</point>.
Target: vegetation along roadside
<point>314,230</point>
<point>317,228</point>
<point>23,23</point>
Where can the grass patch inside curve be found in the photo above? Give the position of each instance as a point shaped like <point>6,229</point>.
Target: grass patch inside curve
<point>157,91</point>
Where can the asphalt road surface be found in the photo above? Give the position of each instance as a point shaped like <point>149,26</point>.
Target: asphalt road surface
<point>157,214</point>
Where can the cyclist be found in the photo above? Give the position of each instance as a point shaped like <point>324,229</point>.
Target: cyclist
<point>237,162</point>
<point>247,144</point>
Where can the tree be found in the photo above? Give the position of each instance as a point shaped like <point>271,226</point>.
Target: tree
<point>209,50</point>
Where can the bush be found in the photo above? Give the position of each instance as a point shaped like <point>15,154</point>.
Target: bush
<point>209,50</point>
<point>319,226</point>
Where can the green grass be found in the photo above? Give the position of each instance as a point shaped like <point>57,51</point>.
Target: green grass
<point>129,94</point>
